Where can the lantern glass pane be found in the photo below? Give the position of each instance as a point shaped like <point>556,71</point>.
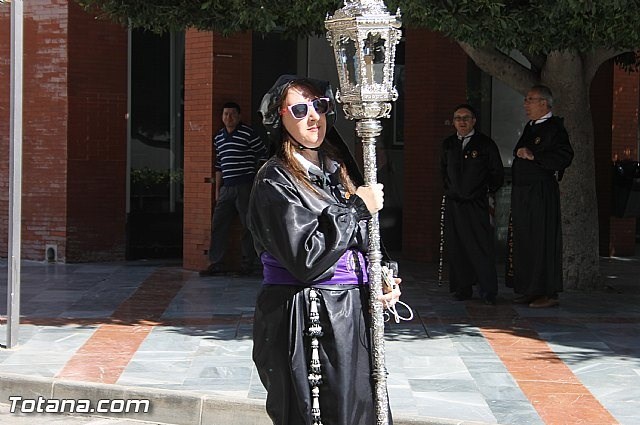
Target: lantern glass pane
<point>374,52</point>
<point>349,60</point>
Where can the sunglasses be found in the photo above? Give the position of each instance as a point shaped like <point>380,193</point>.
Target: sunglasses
<point>301,110</point>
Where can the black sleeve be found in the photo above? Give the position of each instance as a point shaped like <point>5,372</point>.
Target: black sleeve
<point>558,154</point>
<point>495,176</point>
<point>306,243</point>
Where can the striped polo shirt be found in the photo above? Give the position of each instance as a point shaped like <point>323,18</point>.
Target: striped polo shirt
<point>237,154</point>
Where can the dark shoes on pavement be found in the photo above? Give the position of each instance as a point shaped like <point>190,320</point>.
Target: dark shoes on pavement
<point>461,297</point>
<point>523,299</point>
<point>489,299</point>
<point>212,270</point>
<point>486,299</point>
<point>251,271</point>
<point>544,302</point>
<point>536,301</point>
<point>218,270</point>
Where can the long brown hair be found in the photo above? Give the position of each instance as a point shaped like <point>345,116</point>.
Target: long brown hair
<point>289,146</point>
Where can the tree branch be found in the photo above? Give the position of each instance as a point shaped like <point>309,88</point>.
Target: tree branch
<point>537,61</point>
<point>503,67</point>
<point>595,58</point>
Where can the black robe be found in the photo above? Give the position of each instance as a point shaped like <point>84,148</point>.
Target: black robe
<point>534,263</point>
<point>468,175</point>
<point>307,234</point>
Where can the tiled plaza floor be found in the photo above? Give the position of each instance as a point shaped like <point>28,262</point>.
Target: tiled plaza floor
<point>154,327</point>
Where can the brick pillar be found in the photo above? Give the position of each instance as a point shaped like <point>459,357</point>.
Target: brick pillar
<point>614,100</point>
<point>217,70</point>
<point>74,133</point>
<point>44,168</point>
<point>624,145</point>
<point>601,100</point>
<point>198,131</point>
<point>436,72</point>
<point>5,67</point>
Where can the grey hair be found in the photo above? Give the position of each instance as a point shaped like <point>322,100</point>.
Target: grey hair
<point>545,93</point>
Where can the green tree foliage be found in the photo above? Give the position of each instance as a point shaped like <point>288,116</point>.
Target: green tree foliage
<point>295,17</point>
<point>564,43</point>
<point>534,27</point>
<point>531,26</point>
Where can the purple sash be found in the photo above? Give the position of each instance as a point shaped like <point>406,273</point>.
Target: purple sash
<point>345,273</point>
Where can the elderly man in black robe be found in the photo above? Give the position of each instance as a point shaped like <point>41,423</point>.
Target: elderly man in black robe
<point>534,266</point>
<point>471,170</point>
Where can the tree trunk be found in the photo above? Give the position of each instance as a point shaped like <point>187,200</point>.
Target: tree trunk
<point>563,73</point>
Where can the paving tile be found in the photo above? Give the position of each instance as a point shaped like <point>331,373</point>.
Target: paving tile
<point>455,361</point>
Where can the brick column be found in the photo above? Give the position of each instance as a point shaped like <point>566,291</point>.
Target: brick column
<point>44,191</point>
<point>614,100</point>
<point>74,132</point>
<point>198,131</point>
<point>624,145</point>
<point>217,70</point>
<point>436,72</point>
<point>5,70</point>
<point>601,100</point>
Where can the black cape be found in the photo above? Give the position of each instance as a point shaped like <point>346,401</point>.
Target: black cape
<point>307,234</point>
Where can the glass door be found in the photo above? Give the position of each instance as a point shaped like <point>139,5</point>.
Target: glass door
<point>154,208</point>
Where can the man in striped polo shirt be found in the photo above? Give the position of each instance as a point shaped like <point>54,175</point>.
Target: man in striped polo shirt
<point>239,151</point>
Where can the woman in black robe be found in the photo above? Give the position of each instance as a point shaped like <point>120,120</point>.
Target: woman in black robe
<point>308,220</point>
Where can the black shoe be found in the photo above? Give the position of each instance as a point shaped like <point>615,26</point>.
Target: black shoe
<point>251,272</point>
<point>523,299</point>
<point>489,299</point>
<point>544,302</point>
<point>212,270</point>
<point>461,297</point>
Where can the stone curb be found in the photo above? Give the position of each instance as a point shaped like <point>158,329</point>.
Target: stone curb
<point>167,406</point>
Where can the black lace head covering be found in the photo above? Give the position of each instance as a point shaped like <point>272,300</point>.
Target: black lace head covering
<point>272,101</point>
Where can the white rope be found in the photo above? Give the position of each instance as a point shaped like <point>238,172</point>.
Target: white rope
<point>315,375</point>
<point>391,311</point>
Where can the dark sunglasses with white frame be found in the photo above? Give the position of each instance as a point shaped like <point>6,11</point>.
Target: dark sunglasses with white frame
<point>301,110</point>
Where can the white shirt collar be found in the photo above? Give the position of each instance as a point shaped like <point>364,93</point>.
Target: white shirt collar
<point>306,164</point>
<point>311,168</point>
<point>543,118</point>
<point>468,136</point>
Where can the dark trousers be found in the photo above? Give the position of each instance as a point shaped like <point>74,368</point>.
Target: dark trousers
<point>233,200</point>
<point>470,247</point>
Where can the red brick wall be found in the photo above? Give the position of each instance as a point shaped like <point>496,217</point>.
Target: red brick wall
<point>217,70</point>
<point>624,145</point>
<point>5,67</point>
<point>436,72</point>
<point>198,130</point>
<point>614,106</point>
<point>97,138</point>
<point>74,133</point>
<point>44,127</point>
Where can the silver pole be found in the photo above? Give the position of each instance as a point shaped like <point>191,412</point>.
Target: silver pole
<point>368,130</point>
<point>15,174</point>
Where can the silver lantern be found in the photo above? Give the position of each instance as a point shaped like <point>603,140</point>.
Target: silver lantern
<point>364,36</point>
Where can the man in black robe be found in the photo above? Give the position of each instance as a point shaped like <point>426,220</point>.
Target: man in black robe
<point>471,170</point>
<point>534,266</point>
